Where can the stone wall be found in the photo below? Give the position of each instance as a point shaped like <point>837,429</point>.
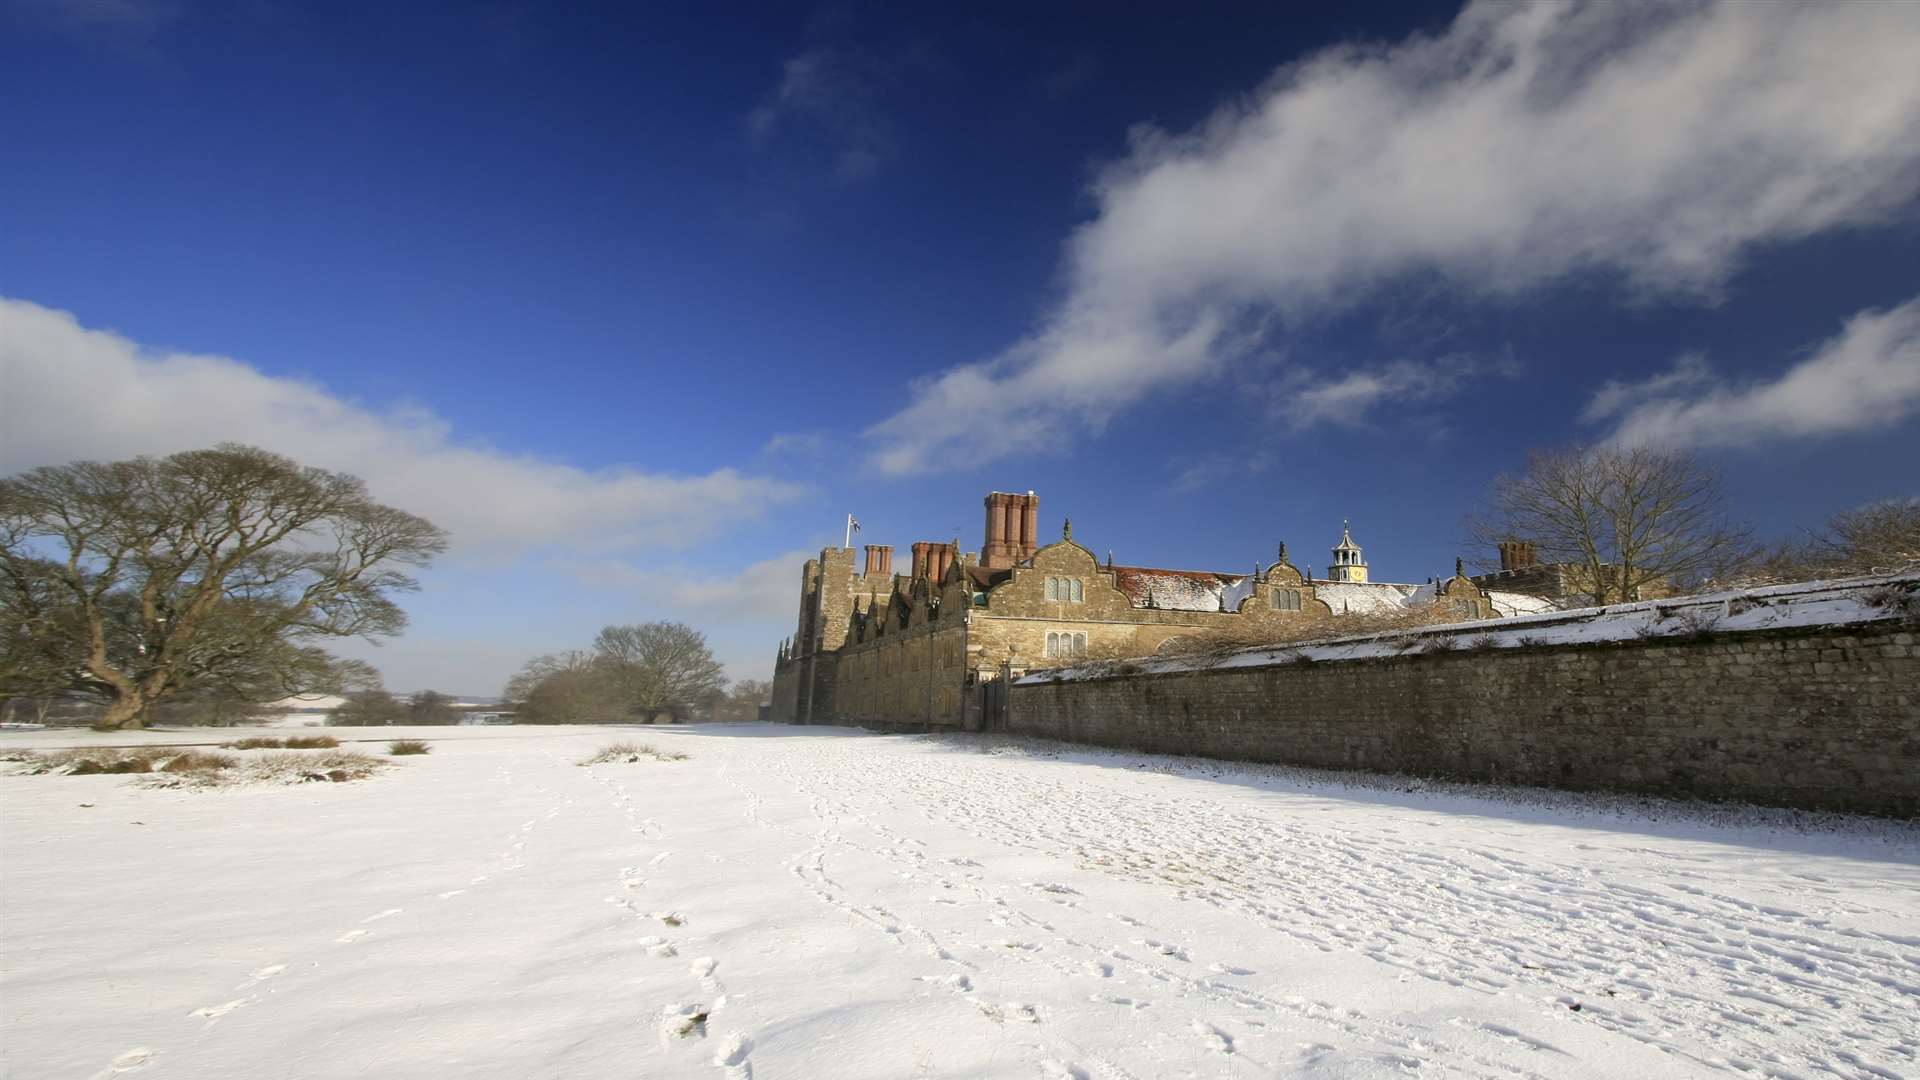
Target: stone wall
<point>1819,718</point>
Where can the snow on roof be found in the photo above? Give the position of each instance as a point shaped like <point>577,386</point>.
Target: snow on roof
<point>1509,604</point>
<point>1363,598</point>
<point>1809,603</point>
<point>1179,590</point>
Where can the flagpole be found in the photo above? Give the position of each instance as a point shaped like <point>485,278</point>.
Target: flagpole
<point>849,542</point>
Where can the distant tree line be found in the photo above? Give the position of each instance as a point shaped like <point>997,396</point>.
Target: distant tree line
<point>1630,523</point>
<point>643,671</point>
<point>378,708</point>
<point>638,672</point>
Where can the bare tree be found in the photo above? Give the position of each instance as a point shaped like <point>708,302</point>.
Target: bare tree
<point>741,701</point>
<point>1624,520</point>
<point>431,707</point>
<point>368,708</point>
<point>206,569</point>
<point>1880,537</point>
<point>658,666</point>
<point>563,688</point>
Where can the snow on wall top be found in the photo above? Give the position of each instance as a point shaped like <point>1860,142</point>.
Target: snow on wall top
<point>1803,604</point>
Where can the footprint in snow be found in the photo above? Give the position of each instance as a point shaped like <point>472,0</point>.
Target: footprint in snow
<point>387,914</point>
<point>1163,948</point>
<point>451,893</point>
<point>658,946</point>
<point>349,937</point>
<point>1214,1037</point>
<point>959,983</point>
<point>136,1058</point>
<point>262,975</point>
<point>732,1055</point>
<point>215,1012</point>
<point>1061,1070</point>
<point>685,1021</point>
<point>1013,1012</point>
<point>1228,969</point>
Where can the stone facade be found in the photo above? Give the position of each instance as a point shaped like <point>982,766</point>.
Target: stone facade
<point>914,650</point>
<point>1818,718</point>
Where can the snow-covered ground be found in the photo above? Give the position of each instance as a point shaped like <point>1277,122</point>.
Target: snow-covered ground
<point>846,905</point>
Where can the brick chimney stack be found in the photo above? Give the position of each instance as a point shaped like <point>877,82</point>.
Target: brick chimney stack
<point>931,559</point>
<point>1518,554</point>
<point>879,561</point>
<point>1013,529</point>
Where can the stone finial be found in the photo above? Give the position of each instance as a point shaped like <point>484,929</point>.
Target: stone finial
<point>1459,567</point>
<point>1109,558</point>
<point>1283,553</point>
<point>1066,529</point>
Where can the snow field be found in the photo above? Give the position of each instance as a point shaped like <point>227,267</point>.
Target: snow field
<point>817,902</point>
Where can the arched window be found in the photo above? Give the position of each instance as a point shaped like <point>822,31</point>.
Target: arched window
<point>1286,600</point>
<point>1079,590</point>
<point>1053,588</point>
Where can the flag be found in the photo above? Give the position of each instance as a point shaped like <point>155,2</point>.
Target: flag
<point>853,523</point>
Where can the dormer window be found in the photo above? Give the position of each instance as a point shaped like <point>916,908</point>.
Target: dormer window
<point>1286,600</point>
<point>1066,590</point>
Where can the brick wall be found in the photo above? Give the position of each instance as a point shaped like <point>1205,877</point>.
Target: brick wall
<point>1821,718</point>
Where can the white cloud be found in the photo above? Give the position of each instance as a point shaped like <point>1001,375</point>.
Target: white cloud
<point>767,590</point>
<point>831,95</point>
<point>72,392</point>
<point>1866,377</point>
<point>1305,399</point>
<point>1527,143</point>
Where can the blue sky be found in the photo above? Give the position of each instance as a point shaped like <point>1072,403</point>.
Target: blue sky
<point>639,303</point>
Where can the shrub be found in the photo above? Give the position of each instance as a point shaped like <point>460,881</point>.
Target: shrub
<point>626,753</point>
<point>253,744</point>
<point>311,742</point>
<point>402,747</point>
<point>193,761</point>
<point>334,766</point>
<point>116,761</point>
<point>1896,600</point>
<point>172,767</point>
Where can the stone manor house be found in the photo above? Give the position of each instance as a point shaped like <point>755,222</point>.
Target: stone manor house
<point>924,648</point>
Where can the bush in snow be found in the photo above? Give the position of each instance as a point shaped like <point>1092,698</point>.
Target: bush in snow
<point>118,760</point>
<point>626,753</point>
<point>311,742</point>
<point>401,747</point>
<point>1900,601</point>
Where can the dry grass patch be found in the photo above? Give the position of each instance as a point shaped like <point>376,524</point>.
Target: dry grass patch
<point>292,742</point>
<point>184,767</point>
<point>311,742</point>
<point>122,760</point>
<point>626,753</point>
<point>402,747</point>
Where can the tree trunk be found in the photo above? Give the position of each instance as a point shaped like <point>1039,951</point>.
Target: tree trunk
<point>124,713</point>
